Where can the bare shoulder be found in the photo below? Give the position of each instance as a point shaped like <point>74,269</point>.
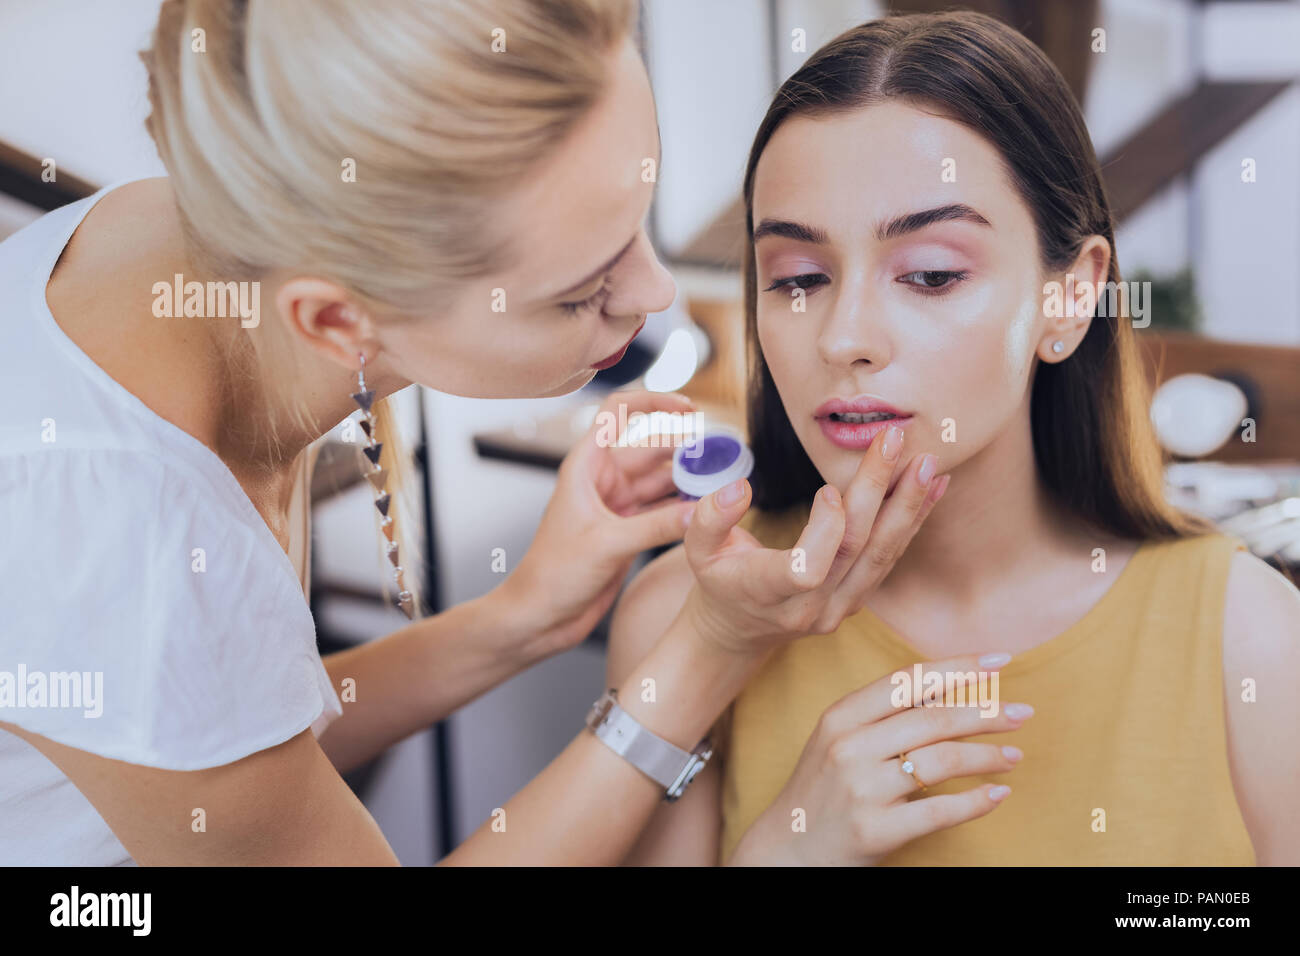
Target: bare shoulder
<point>1261,652</point>
<point>135,215</point>
<point>1261,625</point>
<point>102,296</point>
<point>1261,612</point>
<point>648,605</point>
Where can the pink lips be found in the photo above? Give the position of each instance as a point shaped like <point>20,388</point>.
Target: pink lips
<point>856,435</point>
<point>618,356</point>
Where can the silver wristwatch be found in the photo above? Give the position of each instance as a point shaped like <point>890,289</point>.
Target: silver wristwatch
<point>665,763</point>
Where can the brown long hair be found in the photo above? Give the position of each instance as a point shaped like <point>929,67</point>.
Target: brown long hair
<point>1093,441</point>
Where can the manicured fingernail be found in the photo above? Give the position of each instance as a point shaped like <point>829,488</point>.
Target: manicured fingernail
<point>730,494</point>
<point>926,471</point>
<point>999,793</point>
<point>831,494</point>
<point>939,487</point>
<point>892,444</point>
<point>1019,711</point>
<point>1013,753</point>
<point>990,661</point>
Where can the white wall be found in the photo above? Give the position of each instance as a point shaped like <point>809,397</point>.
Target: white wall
<point>1247,236</point>
<point>712,79</point>
<point>820,22</point>
<point>73,86</point>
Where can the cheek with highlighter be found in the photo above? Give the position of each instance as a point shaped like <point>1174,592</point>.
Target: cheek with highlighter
<point>977,377</point>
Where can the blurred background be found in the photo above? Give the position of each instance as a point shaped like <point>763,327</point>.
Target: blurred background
<point>1183,96</point>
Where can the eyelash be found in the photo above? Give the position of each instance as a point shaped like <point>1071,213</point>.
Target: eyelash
<point>592,301</point>
<point>954,277</point>
<point>794,282</point>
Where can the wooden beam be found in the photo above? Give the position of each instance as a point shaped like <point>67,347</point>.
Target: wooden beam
<point>20,177</point>
<point>721,242</point>
<point>1176,139</point>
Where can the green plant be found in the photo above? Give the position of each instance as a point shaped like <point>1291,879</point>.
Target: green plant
<point>1170,300</point>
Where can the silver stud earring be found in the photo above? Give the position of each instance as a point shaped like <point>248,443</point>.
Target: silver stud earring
<point>1058,346</point>
<point>378,478</point>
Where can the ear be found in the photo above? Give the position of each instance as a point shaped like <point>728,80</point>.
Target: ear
<point>1070,300</point>
<point>320,313</point>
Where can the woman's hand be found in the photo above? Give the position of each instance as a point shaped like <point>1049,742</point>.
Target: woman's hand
<point>610,503</point>
<point>749,598</point>
<point>857,800</point>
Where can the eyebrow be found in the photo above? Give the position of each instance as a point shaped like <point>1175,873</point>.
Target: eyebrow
<point>884,231</point>
<point>919,220</point>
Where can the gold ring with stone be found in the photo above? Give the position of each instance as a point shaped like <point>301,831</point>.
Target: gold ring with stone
<point>910,769</point>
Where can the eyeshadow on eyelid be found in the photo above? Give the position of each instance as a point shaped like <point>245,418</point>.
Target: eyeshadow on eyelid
<point>967,249</point>
<point>932,265</point>
<point>586,293</point>
<point>779,265</point>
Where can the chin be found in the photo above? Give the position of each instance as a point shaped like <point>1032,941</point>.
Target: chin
<point>842,467</point>
<point>514,388</point>
<point>571,385</point>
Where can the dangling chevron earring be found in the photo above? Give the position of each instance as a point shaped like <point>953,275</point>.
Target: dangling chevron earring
<point>378,478</point>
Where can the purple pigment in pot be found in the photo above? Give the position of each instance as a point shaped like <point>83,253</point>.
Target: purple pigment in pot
<point>708,456</point>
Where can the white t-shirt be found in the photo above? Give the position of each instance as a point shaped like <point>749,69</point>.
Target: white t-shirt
<point>186,658</point>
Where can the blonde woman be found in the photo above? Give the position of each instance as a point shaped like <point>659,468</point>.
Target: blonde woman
<point>150,464</point>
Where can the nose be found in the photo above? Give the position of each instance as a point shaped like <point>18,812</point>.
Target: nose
<point>644,285</point>
<point>853,329</point>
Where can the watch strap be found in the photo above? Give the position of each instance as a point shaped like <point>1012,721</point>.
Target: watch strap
<point>649,753</point>
<point>664,762</point>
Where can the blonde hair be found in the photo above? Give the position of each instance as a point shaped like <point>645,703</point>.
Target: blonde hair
<point>259,110</point>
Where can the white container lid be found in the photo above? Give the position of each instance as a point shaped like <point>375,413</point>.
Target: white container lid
<point>699,485</point>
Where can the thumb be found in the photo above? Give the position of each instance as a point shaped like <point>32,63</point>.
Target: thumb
<point>654,527</point>
<point>715,515</point>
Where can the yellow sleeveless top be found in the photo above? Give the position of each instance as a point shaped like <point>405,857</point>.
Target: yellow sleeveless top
<point>1128,729</point>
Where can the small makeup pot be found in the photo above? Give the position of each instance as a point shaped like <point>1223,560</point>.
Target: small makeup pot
<point>712,461</point>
